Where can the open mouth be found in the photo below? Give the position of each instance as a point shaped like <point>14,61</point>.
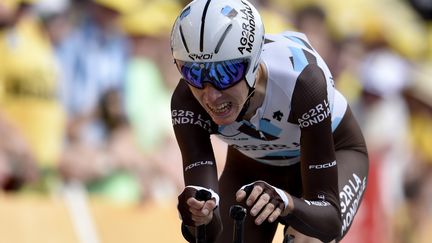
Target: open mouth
<point>220,109</point>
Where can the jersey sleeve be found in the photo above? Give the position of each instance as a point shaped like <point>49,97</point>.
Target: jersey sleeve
<point>317,213</point>
<point>193,127</point>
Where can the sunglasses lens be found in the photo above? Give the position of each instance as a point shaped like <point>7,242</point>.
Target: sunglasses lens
<point>221,75</point>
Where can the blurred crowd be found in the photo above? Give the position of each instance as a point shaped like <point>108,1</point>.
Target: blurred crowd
<point>85,89</point>
<point>84,97</point>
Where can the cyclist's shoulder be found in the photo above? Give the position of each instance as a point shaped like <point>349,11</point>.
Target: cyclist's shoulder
<point>181,91</point>
<point>182,97</point>
<point>290,46</point>
<point>286,54</point>
<point>287,39</point>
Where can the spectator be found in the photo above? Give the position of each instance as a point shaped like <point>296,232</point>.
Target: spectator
<point>103,149</point>
<point>384,118</point>
<point>312,20</point>
<point>93,58</point>
<point>29,79</point>
<point>412,222</point>
<point>147,94</point>
<point>111,164</point>
<point>17,164</point>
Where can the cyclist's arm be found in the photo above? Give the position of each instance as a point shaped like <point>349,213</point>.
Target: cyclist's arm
<point>317,213</point>
<point>192,128</point>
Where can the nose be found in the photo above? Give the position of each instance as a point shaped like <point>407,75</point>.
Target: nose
<point>211,93</point>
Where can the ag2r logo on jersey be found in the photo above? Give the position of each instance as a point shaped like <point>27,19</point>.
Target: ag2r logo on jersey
<point>350,197</point>
<point>182,117</point>
<point>315,115</point>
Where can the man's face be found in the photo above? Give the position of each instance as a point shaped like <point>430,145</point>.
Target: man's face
<point>223,106</point>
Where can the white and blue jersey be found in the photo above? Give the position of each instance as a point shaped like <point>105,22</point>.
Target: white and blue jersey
<point>270,137</point>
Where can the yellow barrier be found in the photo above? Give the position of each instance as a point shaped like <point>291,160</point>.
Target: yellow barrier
<point>35,220</point>
<point>42,219</point>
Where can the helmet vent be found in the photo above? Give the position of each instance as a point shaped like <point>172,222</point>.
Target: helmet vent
<point>203,25</point>
<point>222,38</point>
<point>183,39</point>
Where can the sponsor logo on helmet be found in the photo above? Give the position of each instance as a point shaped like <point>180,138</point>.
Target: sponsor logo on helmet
<point>229,12</point>
<point>248,29</point>
<point>204,56</point>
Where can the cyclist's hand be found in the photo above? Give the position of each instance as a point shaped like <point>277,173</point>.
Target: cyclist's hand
<point>202,211</point>
<point>194,212</point>
<point>267,201</point>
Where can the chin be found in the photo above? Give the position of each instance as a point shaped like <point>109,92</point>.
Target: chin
<point>224,120</point>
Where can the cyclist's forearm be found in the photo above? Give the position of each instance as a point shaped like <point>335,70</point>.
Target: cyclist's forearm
<point>201,173</point>
<point>199,166</point>
<point>318,219</point>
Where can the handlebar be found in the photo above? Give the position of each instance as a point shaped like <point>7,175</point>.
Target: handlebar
<point>202,195</point>
<point>238,214</point>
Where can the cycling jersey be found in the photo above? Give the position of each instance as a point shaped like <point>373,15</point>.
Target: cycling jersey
<point>292,140</point>
<point>273,135</point>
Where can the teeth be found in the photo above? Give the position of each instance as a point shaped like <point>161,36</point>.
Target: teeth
<point>220,108</point>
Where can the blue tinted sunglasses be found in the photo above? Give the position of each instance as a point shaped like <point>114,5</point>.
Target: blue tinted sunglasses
<point>221,75</point>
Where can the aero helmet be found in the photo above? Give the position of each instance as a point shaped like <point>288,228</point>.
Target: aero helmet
<point>214,31</point>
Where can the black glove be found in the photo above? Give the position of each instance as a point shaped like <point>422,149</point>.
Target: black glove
<point>277,196</point>
<point>213,229</point>
<point>183,207</point>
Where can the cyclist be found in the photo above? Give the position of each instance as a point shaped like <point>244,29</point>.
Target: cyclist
<point>296,154</point>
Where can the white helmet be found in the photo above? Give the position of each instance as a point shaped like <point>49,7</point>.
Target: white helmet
<point>208,31</point>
